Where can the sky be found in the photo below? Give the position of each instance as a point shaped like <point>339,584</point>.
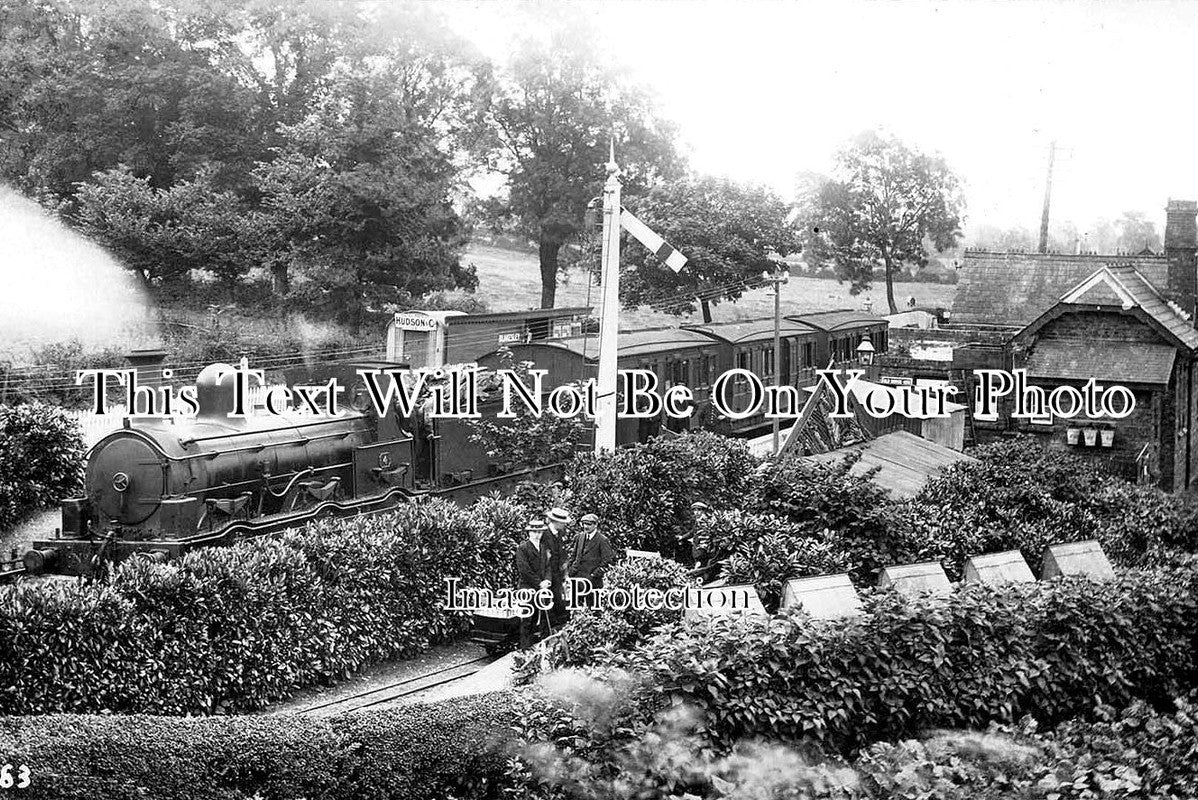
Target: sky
<point>764,90</point>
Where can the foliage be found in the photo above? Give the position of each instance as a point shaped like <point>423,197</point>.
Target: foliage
<point>41,459</point>
<point>592,630</point>
<point>643,494</point>
<point>428,752</point>
<point>164,234</point>
<point>53,380</point>
<point>358,201</point>
<point>766,551</point>
<point>831,502</point>
<point>312,140</point>
<point>547,125</point>
<point>235,628</point>
<point>729,233</point>
<point>987,654</point>
<point>527,440</point>
<point>1022,496</point>
<point>886,204</point>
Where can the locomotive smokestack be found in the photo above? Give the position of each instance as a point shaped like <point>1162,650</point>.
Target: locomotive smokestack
<point>148,363</point>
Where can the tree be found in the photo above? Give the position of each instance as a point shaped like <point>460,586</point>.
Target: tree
<point>162,234</point>
<point>1136,232</point>
<point>884,206</point>
<point>727,231</point>
<point>358,199</point>
<point>547,128</point>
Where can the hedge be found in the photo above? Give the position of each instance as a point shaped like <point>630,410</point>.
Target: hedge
<point>434,751</point>
<point>41,459</point>
<point>985,654</point>
<point>584,738</point>
<point>235,628</point>
<point>643,494</point>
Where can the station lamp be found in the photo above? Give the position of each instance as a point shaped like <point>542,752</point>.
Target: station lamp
<point>865,351</point>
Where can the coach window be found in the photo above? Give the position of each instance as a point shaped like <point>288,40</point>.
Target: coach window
<point>742,360</point>
<point>767,363</point>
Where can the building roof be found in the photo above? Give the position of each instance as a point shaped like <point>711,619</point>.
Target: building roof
<point>1126,287</point>
<point>906,462</point>
<point>1104,360</point>
<point>1015,288</point>
<point>838,320</point>
<point>633,343</point>
<point>752,330</point>
<point>513,316</point>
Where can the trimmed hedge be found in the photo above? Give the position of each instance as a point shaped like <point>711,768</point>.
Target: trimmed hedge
<point>434,751</point>
<point>235,628</point>
<point>41,459</point>
<point>985,654</point>
<point>643,494</point>
<point>591,630</point>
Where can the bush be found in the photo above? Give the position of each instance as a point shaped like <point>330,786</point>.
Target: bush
<point>986,654</point>
<point>41,459</point>
<point>1022,496</point>
<point>236,628</point>
<point>766,551</point>
<point>427,751</point>
<point>590,631</point>
<point>643,494</point>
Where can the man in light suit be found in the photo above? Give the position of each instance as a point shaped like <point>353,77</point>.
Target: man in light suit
<point>533,571</point>
<point>591,554</point>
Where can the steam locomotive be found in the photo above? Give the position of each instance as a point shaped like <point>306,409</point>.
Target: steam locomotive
<point>157,488</point>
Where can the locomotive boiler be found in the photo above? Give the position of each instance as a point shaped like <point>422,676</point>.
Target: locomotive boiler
<point>159,487</point>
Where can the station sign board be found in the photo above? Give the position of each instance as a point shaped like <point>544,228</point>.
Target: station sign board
<point>1077,558</point>
<point>823,597</point>
<point>1008,567</point>
<point>415,322</point>
<point>915,579</point>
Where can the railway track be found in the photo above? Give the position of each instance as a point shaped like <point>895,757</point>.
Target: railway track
<point>400,689</point>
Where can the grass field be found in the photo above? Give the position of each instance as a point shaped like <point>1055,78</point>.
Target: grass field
<point>511,281</point>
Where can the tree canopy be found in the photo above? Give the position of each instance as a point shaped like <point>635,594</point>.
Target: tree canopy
<point>308,140</point>
<point>886,205</point>
<point>547,127</point>
<point>729,232</point>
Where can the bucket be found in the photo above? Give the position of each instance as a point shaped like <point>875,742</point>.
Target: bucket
<point>1108,437</point>
<point>1072,435</point>
<point>1091,435</point>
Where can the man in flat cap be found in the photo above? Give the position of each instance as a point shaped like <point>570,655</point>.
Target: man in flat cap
<point>591,554</point>
<point>532,568</point>
<point>557,520</point>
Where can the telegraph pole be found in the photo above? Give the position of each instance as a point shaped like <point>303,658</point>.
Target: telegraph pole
<point>779,277</point>
<point>609,325</point>
<point>1052,154</point>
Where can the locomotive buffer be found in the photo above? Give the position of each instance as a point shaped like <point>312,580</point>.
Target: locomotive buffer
<point>616,217</point>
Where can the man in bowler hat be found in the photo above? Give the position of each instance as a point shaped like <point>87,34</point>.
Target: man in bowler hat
<point>532,567</point>
<point>555,537</point>
<point>590,555</point>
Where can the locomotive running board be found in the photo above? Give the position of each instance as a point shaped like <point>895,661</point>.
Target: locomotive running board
<point>275,523</point>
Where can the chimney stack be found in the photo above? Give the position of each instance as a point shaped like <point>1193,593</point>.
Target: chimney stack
<point>1181,248</point>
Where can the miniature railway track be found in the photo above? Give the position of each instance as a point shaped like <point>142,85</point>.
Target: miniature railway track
<point>400,689</point>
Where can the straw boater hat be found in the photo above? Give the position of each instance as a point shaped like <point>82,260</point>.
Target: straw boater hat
<point>589,518</point>
<point>558,515</point>
<point>535,525</point>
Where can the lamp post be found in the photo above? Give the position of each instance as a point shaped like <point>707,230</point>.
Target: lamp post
<point>865,354</point>
<point>779,276</point>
